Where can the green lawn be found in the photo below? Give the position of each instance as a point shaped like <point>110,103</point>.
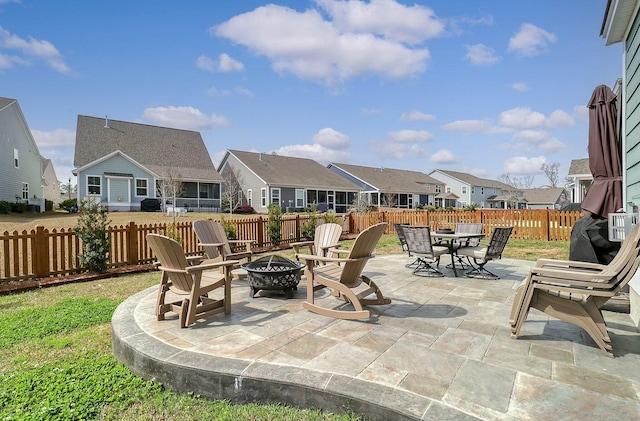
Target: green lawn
<point>56,361</point>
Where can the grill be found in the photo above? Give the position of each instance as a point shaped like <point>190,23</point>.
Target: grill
<point>273,273</point>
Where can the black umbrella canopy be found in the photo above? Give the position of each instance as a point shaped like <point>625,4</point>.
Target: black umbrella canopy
<point>605,155</point>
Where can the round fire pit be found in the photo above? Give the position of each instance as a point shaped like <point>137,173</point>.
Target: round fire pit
<point>273,273</point>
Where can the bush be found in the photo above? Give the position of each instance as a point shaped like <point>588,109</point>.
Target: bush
<point>172,232</point>
<point>48,205</point>
<point>246,209</point>
<point>309,226</point>
<point>69,204</point>
<point>274,225</point>
<point>231,232</point>
<point>18,207</point>
<point>5,207</point>
<point>92,231</point>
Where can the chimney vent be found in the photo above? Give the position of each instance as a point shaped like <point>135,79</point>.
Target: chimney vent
<point>106,122</point>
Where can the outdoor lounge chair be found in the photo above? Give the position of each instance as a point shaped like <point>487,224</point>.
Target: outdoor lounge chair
<point>419,244</point>
<point>483,255</point>
<point>344,276</point>
<point>326,236</point>
<point>213,239</point>
<point>179,277</point>
<point>576,291</point>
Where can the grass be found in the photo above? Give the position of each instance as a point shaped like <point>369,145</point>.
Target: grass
<point>56,361</point>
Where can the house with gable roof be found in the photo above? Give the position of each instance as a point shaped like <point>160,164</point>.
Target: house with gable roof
<point>120,164</point>
<point>293,183</point>
<point>471,189</point>
<point>21,165</point>
<point>546,198</point>
<point>581,178</point>
<point>52,185</point>
<point>391,187</point>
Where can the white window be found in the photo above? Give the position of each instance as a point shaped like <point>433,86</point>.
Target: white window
<point>448,189</point>
<point>275,196</point>
<point>250,197</point>
<point>25,191</point>
<point>142,187</point>
<point>263,197</point>
<point>240,197</point>
<point>473,190</point>
<point>16,161</point>
<point>93,185</point>
<point>300,198</point>
<point>464,189</point>
<point>438,188</point>
<point>482,190</point>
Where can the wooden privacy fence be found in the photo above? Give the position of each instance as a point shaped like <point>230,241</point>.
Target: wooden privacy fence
<point>41,253</point>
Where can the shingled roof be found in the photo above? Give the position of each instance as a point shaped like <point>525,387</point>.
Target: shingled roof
<point>159,149</point>
<point>288,171</point>
<point>392,180</point>
<point>543,195</point>
<point>579,167</point>
<point>472,180</point>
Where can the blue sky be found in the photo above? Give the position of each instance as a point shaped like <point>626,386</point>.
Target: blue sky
<point>486,87</point>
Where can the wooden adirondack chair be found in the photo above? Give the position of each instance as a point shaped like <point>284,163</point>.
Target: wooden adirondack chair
<point>213,239</point>
<point>326,236</point>
<point>191,281</point>
<point>576,291</point>
<point>344,276</point>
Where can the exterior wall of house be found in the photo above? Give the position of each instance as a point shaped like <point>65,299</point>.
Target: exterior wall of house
<point>480,194</point>
<point>451,184</point>
<point>24,182</point>
<point>52,189</point>
<point>117,177</point>
<point>250,184</point>
<point>632,118</point>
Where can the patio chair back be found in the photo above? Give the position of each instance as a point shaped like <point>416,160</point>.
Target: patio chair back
<point>419,241</point>
<point>401,236</point>
<point>326,235</point>
<point>467,228</point>
<point>172,259</point>
<point>361,251</point>
<point>211,232</point>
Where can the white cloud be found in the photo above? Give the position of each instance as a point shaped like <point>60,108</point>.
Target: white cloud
<point>397,150</point>
<point>468,126</point>
<point>388,18</point>
<point>330,138</point>
<point>411,136</point>
<point>415,115</point>
<point>539,139</point>
<point>370,111</point>
<point>317,152</point>
<point>224,64</point>
<point>31,48</point>
<point>187,118</point>
<point>478,172</point>
<point>444,156</point>
<point>521,165</point>
<point>306,45</point>
<point>228,64</point>
<point>526,118</point>
<point>581,112</point>
<point>54,138</point>
<point>531,41</point>
<point>520,86</point>
<point>481,55</point>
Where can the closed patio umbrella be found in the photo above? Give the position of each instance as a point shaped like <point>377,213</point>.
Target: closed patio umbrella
<point>605,156</point>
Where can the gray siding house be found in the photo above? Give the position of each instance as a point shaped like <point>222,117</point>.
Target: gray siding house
<point>120,164</point>
<point>21,165</point>
<point>391,187</point>
<point>51,183</point>
<point>470,189</point>
<point>293,183</point>
<point>620,24</point>
<point>546,198</point>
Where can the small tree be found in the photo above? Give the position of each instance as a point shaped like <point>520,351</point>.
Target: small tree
<point>551,172</point>
<point>517,185</point>
<point>92,231</point>
<point>231,232</point>
<point>274,225</point>
<point>170,188</point>
<point>309,226</point>
<point>360,204</point>
<point>231,189</point>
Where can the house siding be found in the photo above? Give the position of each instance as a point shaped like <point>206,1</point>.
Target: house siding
<point>632,117</point>
<point>15,135</point>
<point>247,180</point>
<point>116,192</point>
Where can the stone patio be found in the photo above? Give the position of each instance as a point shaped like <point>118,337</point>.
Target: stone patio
<point>441,350</point>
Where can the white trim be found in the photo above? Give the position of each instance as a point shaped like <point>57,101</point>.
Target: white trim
<point>135,182</point>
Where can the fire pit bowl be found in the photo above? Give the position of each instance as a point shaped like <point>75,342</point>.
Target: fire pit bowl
<point>273,273</point>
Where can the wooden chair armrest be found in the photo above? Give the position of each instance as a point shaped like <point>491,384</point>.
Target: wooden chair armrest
<point>212,265</point>
<point>247,243</point>
<point>566,277</point>
<point>301,243</point>
<point>310,257</point>
<point>569,264</point>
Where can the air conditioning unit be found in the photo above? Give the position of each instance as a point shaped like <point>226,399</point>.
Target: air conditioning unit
<point>620,225</point>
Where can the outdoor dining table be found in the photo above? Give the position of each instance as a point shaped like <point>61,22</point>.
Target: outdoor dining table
<point>450,236</point>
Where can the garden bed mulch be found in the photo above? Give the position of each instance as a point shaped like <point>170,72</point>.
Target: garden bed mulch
<point>25,285</point>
